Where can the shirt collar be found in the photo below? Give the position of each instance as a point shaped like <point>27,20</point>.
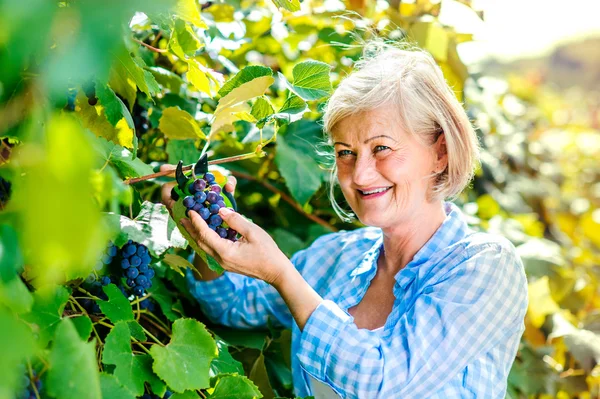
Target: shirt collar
<point>453,228</point>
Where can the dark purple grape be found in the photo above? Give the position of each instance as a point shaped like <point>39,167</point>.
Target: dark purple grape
<point>220,198</point>
<point>209,177</point>
<point>212,197</point>
<point>141,250</point>
<point>91,278</point>
<point>197,207</point>
<point>105,280</point>
<point>141,280</point>
<point>221,232</point>
<point>135,260</point>
<point>231,233</point>
<point>146,259</point>
<point>215,220</point>
<point>198,185</point>
<point>189,202</point>
<point>149,273</point>
<point>200,197</point>
<point>147,304</point>
<point>149,285</point>
<point>131,282</point>
<point>132,272</point>
<point>143,268</point>
<point>129,250</point>
<point>138,290</point>
<point>215,188</point>
<point>112,251</point>
<point>125,264</point>
<point>221,204</point>
<point>214,208</point>
<point>204,213</point>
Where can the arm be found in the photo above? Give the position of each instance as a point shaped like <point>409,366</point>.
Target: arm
<point>475,307</point>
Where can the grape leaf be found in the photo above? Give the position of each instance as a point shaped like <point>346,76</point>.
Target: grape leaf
<point>182,150</point>
<point>183,41</point>
<point>235,387</point>
<point>112,389</point>
<point>16,345</point>
<point>83,325</point>
<point>185,395</point>
<point>133,69</point>
<point>188,11</point>
<point>225,363</point>
<point>47,311</point>
<point>120,158</point>
<point>197,77</point>
<point>164,298</point>
<point>261,108</point>
<point>131,370</point>
<point>11,259</point>
<point>73,371</point>
<point>245,75</point>
<point>114,108</point>
<point>16,296</point>
<point>177,262</point>
<point>311,80</point>
<point>117,308</point>
<point>166,78</point>
<point>296,168</point>
<point>178,124</point>
<point>152,227</point>
<point>185,362</point>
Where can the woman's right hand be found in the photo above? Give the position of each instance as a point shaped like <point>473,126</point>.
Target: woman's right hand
<point>202,272</point>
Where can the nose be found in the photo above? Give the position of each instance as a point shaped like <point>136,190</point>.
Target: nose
<point>365,171</point>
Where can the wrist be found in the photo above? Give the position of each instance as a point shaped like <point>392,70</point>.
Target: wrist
<point>286,274</point>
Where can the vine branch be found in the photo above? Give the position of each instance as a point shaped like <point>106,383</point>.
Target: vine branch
<point>284,197</point>
<point>156,50</point>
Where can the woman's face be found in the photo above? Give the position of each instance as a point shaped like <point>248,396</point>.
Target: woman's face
<point>382,169</point>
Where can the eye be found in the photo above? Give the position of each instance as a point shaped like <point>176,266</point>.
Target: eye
<point>380,148</point>
<point>344,153</point>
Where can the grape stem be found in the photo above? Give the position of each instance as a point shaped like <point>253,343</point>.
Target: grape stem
<point>284,197</point>
<point>156,50</point>
<point>189,167</point>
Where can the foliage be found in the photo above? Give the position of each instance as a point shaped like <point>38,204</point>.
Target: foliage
<point>92,98</point>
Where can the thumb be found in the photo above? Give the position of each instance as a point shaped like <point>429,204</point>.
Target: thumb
<point>237,221</point>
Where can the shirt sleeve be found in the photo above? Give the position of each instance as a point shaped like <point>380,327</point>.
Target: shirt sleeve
<point>477,305</point>
<point>239,301</point>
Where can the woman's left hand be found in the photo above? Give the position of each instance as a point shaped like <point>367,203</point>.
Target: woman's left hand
<point>255,254</point>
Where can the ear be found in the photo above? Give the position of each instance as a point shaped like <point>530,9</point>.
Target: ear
<point>441,153</point>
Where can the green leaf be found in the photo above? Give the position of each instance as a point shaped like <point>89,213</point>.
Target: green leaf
<point>289,243</point>
<point>131,370</point>
<point>121,158</point>
<point>73,371</point>
<point>188,11</point>
<point>136,330</point>
<point>182,150</point>
<point>225,363</point>
<point>185,362</point>
<point>261,108</point>
<point>83,325</point>
<point>246,75</point>
<point>46,312</point>
<point>133,69</point>
<point>183,40</point>
<point>16,345</point>
<point>112,389</point>
<point>292,110</point>
<point>290,5</point>
<point>11,259</point>
<point>185,395</point>
<point>16,296</point>
<point>117,308</point>
<point>296,168</point>
<point>166,78</point>
<point>153,228</point>
<point>311,80</point>
<point>235,387</point>
<point>196,75</point>
<point>178,124</point>
<point>114,108</point>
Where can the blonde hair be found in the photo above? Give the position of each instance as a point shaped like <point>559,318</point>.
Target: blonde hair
<point>406,76</point>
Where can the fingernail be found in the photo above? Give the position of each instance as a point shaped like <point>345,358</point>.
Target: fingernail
<point>225,211</point>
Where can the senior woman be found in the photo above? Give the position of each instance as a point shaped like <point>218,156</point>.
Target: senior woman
<point>416,304</point>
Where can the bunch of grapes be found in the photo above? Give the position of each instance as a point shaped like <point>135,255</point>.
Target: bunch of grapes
<point>206,200</point>
<point>135,262</point>
<point>28,385</point>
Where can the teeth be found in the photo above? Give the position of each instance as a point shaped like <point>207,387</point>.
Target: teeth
<point>379,190</point>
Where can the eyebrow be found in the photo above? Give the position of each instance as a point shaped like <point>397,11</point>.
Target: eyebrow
<point>367,140</point>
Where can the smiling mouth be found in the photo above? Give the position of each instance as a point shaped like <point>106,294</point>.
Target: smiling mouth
<point>373,193</point>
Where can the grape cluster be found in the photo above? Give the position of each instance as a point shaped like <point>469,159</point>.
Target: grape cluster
<point>206,200</point>
<point>135,263</point>
<point>28,385</point>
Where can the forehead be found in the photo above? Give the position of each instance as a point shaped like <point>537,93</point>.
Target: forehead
<point>366,124</point>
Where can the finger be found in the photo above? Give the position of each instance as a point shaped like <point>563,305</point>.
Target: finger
<point>193,231</point>
<point>207,236</point>
<point>231,183</point>
<point>167,166</point>
<point>237,222</point>
<point>165,194</point>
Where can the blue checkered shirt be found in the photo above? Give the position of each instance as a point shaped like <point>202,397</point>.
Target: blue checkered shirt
<point>453,332</point>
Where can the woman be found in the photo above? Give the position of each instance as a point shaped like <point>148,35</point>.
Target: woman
<point>416,305</point>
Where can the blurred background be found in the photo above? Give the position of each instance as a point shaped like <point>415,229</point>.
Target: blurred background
<point>527,71</point>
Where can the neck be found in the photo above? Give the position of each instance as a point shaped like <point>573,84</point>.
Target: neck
<point>402,241</point>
